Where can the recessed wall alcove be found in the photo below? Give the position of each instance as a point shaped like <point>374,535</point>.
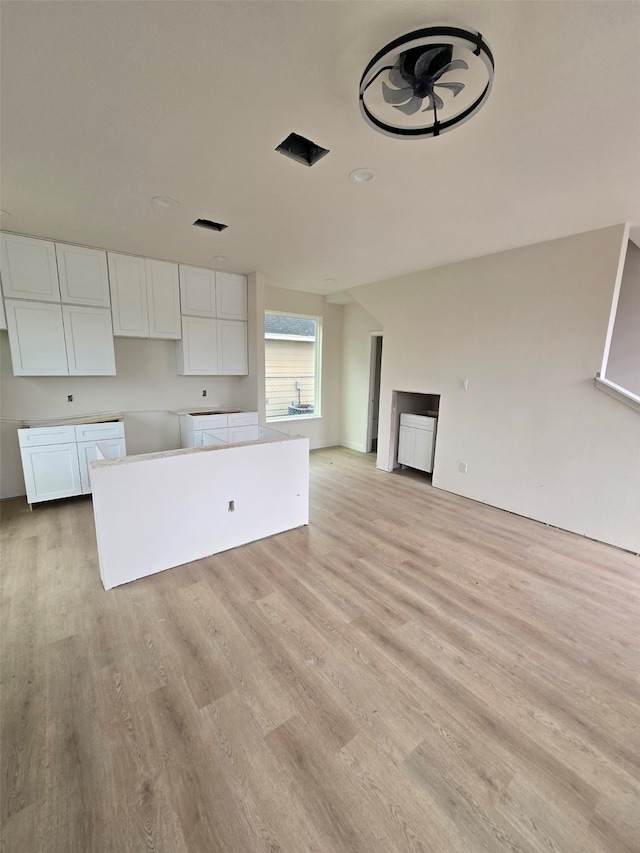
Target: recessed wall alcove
<point>408,401</point>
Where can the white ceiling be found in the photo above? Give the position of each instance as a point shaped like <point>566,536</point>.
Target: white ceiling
<point>106,104</point>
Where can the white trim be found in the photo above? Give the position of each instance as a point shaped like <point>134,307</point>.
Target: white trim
<point>272,336</point>
<point>616,297</point>
<point>618,392</point>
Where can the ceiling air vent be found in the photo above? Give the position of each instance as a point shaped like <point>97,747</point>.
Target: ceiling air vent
<point>212,226</point>
<point>302,150</point>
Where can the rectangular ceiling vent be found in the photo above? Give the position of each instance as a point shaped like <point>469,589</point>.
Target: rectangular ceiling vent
<point>302,150</point>
<point>212,226</point>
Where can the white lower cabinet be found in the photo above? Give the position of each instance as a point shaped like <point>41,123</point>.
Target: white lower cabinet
<point>416,441</point>
<point>46,339</point>
<point>51,471</point>
<point>55,460</point>
<point>205,429</point>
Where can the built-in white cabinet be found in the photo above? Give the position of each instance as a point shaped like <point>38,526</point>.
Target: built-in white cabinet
<point>214,323</point>
<point>197,352</point>
<point>232,348</point>
<point>163,299</point>
<point>416,441</point>
<point>88,341</point>
<point>198,291</point>
<point>145,297</point>
<point>55,459</point>
<point>200,429</point>
<point>3,316</point>
<point>83,275</point>
<point>29,269</point>
<point>46,339</point>
<point>231,296</point>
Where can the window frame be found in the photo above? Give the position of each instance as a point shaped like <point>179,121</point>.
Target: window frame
<point>317,406</point>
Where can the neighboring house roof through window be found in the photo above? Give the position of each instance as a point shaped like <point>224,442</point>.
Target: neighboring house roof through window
<point>279,324</point>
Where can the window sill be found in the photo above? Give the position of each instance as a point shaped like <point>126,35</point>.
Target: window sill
<point>291,418</point>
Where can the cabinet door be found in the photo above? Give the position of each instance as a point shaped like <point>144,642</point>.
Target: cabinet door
<point>111,448</point>
<point>84,279</point>
<point>36,338</point>
<point>89,341</point>
<point>51,471</point>
<point>244,433</point>
<point>212,437</point>
<point>232,348</point>
<point>423,450</point>
<point>3,316</point>
<point>231,296</point>
<point>406,441</point>
<point>29,268</point>
<point>128,278</point>
<point>198,291</point>
<point>163,299</point>
<point>198,349</point>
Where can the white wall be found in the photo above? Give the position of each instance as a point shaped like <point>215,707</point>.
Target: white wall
<point>356,362</point>
<point>623,366</point>
<point>325,430</point>
<point>527,328</point>
<point>146,388</point>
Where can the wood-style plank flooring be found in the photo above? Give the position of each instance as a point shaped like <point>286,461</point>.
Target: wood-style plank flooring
<point>412,672</point>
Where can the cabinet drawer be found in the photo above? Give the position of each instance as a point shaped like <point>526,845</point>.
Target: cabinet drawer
<point>39,436</point>
<point>239,419</point>
<point>417,421</point>
<point>210,422</point>
<point>99,432</point>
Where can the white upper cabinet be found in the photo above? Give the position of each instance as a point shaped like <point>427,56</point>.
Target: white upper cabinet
<point>163,299</point>
<point>29,269</point>
<point>89,341</point>
<point>198,291</point>
<point>232,348</point>
<point>198,350</point>
<point>36,338</point>
<point>84,279</point>
<point>145,297</point>
<point>128,279</point>
<point>231,296</point>
<point>59,340</point>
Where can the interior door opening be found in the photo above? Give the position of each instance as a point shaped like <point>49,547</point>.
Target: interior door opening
<point>375,372</point>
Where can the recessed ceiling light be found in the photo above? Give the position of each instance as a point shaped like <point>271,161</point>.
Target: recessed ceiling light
<point>361,176</point>
<point>331,281</point>
<point>164,201</point>
<point>220,259</point>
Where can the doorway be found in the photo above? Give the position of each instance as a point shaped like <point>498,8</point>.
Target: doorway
<point>375,372</point>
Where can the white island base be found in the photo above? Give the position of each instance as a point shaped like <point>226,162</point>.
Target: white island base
<point>160,510</point>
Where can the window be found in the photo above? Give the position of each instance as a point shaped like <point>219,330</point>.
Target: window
<point>292,347</point>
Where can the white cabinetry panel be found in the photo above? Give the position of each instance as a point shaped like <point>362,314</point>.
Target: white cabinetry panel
<point>416,441</point>
<point>198,291</point>
<point>128,295</point>
<point>29,269</point>
<point>232,348</point>
<point>163,299</point>
<point>198,349</point>
<point>84,279</point>
<point>3,316</point>
<point>36,338</point>
<point>51,471</point>
<point>89,341</point>
<point>111,448</point>
<point>231,296</point>
<point>55,459</point>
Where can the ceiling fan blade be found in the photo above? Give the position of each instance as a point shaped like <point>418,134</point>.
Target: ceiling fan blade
<point>396,78</point>
<point>411,106</point>
<point>456,88</point>
<point>450,66</point>
<point>396,96</point>
<point>425,60</point>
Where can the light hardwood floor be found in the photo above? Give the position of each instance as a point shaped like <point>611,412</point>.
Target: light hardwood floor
<point>412,672</point>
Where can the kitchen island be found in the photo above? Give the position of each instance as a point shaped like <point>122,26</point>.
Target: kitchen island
<point>158,510</point>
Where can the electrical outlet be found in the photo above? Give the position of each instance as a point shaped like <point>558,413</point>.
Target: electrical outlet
<point>464,468</point>
<point>69,398</point>
<point>232,506</point>
<point>464,384</point>
<point>204,393</point>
